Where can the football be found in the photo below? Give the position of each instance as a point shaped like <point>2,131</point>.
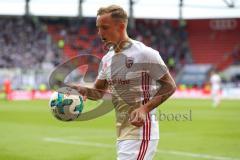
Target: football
<point>66,107</point>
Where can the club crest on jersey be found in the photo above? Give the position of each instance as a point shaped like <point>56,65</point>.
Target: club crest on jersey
<point>129,62</point>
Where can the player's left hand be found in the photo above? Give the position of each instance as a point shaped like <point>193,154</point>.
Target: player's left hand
<point>138,117</point>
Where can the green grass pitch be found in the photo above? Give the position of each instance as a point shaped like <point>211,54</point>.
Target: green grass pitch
<point>28,131</point>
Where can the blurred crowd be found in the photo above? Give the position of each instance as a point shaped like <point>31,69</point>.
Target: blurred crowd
<point>25,43</point>
<point>39,43</point>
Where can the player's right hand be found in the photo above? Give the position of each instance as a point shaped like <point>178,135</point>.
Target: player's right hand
<point>81,90</point>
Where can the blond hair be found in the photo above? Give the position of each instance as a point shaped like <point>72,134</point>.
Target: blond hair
<point>117,12</point>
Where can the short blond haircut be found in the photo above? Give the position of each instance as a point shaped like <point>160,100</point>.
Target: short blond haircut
<point>117,12</point>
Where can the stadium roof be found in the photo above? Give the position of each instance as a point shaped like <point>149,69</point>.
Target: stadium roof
<point>167,9</point>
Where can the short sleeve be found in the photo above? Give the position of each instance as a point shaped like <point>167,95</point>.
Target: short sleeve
<point>101,71</point>
<point>157,68</point>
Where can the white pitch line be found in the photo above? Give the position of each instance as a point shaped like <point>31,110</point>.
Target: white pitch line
<point>196,155</point>
<point>170,152</point>
<point>83,143</point>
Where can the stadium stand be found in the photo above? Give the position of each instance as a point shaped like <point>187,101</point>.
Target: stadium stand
<point>44,42</point>
<point>214,39</point>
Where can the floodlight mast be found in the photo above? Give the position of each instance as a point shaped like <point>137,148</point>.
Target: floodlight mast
<point>180,9</point>
<point>131,16</point>
<point>80,9</point>
<point>27,13</point>
<point>181,21</point>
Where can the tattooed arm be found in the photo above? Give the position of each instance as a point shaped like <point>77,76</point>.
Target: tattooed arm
<point>95,93</point>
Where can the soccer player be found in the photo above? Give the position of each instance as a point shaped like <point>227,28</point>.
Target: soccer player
<point>7,88</point>
<point>215,81</point>
<point>138,80</point>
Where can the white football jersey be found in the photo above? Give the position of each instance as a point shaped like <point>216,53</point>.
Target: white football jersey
<point>131,76</point>
<point>215,82</point>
